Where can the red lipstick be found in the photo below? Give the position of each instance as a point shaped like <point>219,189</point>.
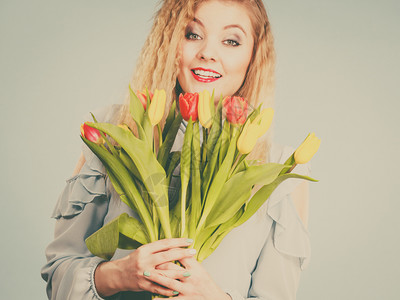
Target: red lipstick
<point>205,75</point>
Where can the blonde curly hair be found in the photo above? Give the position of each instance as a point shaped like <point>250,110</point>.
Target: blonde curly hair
<point>158,63</point>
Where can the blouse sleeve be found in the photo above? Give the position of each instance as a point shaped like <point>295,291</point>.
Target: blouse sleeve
<point>79,212</point>
<point>286,251</point>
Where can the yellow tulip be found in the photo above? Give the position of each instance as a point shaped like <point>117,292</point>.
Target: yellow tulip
<point>157,107</point>
<point>307,149</point>
<point>252,131</point>
<point>204,109</point>
<point>248,138</point>
<point>264,121</point>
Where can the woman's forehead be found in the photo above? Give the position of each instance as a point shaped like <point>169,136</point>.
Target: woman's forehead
<point>225,14</point>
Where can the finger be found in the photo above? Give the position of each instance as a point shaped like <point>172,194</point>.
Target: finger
<point>179,297</point>
<point>174,274</point>
<point>189,262</point>
<point>166,244</point>
<point>157,289</point>
<point>175,298</point>
<point>169,283</point>
<point>171,255</point>
<point>170,266</point>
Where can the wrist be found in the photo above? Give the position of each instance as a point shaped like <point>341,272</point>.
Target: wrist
<point>106,279</point>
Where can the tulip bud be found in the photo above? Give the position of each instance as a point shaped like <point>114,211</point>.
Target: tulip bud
<point>307,149</point>
<point>188,106</point>
<point>157,107</point>
<point>252,131</point>
<point>92,134</point>
<point>204,110</point>
<point>235,110</point>
<point>143,97</point>
<point>248,138</point>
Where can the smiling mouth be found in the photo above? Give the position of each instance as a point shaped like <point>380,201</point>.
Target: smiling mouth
<point>204,75</point>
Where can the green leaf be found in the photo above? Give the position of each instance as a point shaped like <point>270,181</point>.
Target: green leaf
<point>289,162</point>
<point>238,190</point>
<point>170,119</point>
<point>216,238</point>
<point>110,146</point>
<point>219,181</point>
<point>151,172</point>
<point>254,113</point>
<point>202,237</point>
<point>147,127</point>
<point>137,111</point>
<point>175,217</point>
<point>132,229</point>
<point>172,163</point>
<point>263,194</point>
<point>224,141</point>
<point>123,232</point>
<point>129,164</point>
<point>169,140</point>
<point>125,183</point>
<point>104,242</point>
<point>208,173</point>
<point>148,130</point>
<point>215,131</point>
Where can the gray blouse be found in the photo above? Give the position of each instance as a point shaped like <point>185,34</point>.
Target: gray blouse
<point>261,259</point>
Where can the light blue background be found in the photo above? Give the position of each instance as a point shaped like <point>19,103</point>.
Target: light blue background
<point>337,74</point>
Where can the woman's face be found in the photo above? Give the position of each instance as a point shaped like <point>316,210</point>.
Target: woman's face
<point>217,49</point>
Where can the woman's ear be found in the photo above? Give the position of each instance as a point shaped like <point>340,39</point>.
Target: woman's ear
<point>300,198</point>
<point>79,165</point>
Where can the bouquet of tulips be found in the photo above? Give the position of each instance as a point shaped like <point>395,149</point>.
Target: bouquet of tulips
<point>217,180</point>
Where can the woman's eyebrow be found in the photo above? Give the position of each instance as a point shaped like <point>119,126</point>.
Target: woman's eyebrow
<point>198,22</point>
<point>236,26</point>
<point>225,27</point>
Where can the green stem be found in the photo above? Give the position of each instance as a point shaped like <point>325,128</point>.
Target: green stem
<point>219,181</point>
<point>155,221</point>
<point>234,165</point>
<point>183,210</point>
<point>204,149</point>
<point>159,136</point>
<point>291,169</point>
<point>241,158</point>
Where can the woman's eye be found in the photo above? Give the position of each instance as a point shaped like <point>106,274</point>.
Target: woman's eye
<point>192,36</point>
<point>231,43</point>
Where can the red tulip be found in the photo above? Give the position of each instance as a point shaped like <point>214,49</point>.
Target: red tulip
<point>92,134</point>
<point>142,95</point>
<point>235,109</point>
<point>188,106</point>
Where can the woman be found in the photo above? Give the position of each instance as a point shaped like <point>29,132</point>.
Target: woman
<point>194,45</point>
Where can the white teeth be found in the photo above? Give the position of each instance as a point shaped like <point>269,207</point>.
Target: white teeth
<point>206,73</point>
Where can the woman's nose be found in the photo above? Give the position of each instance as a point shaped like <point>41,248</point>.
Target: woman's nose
<point>207,52</point>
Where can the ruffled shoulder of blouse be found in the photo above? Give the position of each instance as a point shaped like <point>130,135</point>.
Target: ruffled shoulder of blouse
<point>90,183</point>
<point>82,188</point>
<point>290,235</point>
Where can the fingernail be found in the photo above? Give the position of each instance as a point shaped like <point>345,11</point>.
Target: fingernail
<point>186,274</point>
<point>192,251</point>
<point>189,241</point>
<point>175,292</point>
<point>146,273</point>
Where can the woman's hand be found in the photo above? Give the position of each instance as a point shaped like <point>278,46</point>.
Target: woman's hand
<point>198,286</point>
<point>136,271</point>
